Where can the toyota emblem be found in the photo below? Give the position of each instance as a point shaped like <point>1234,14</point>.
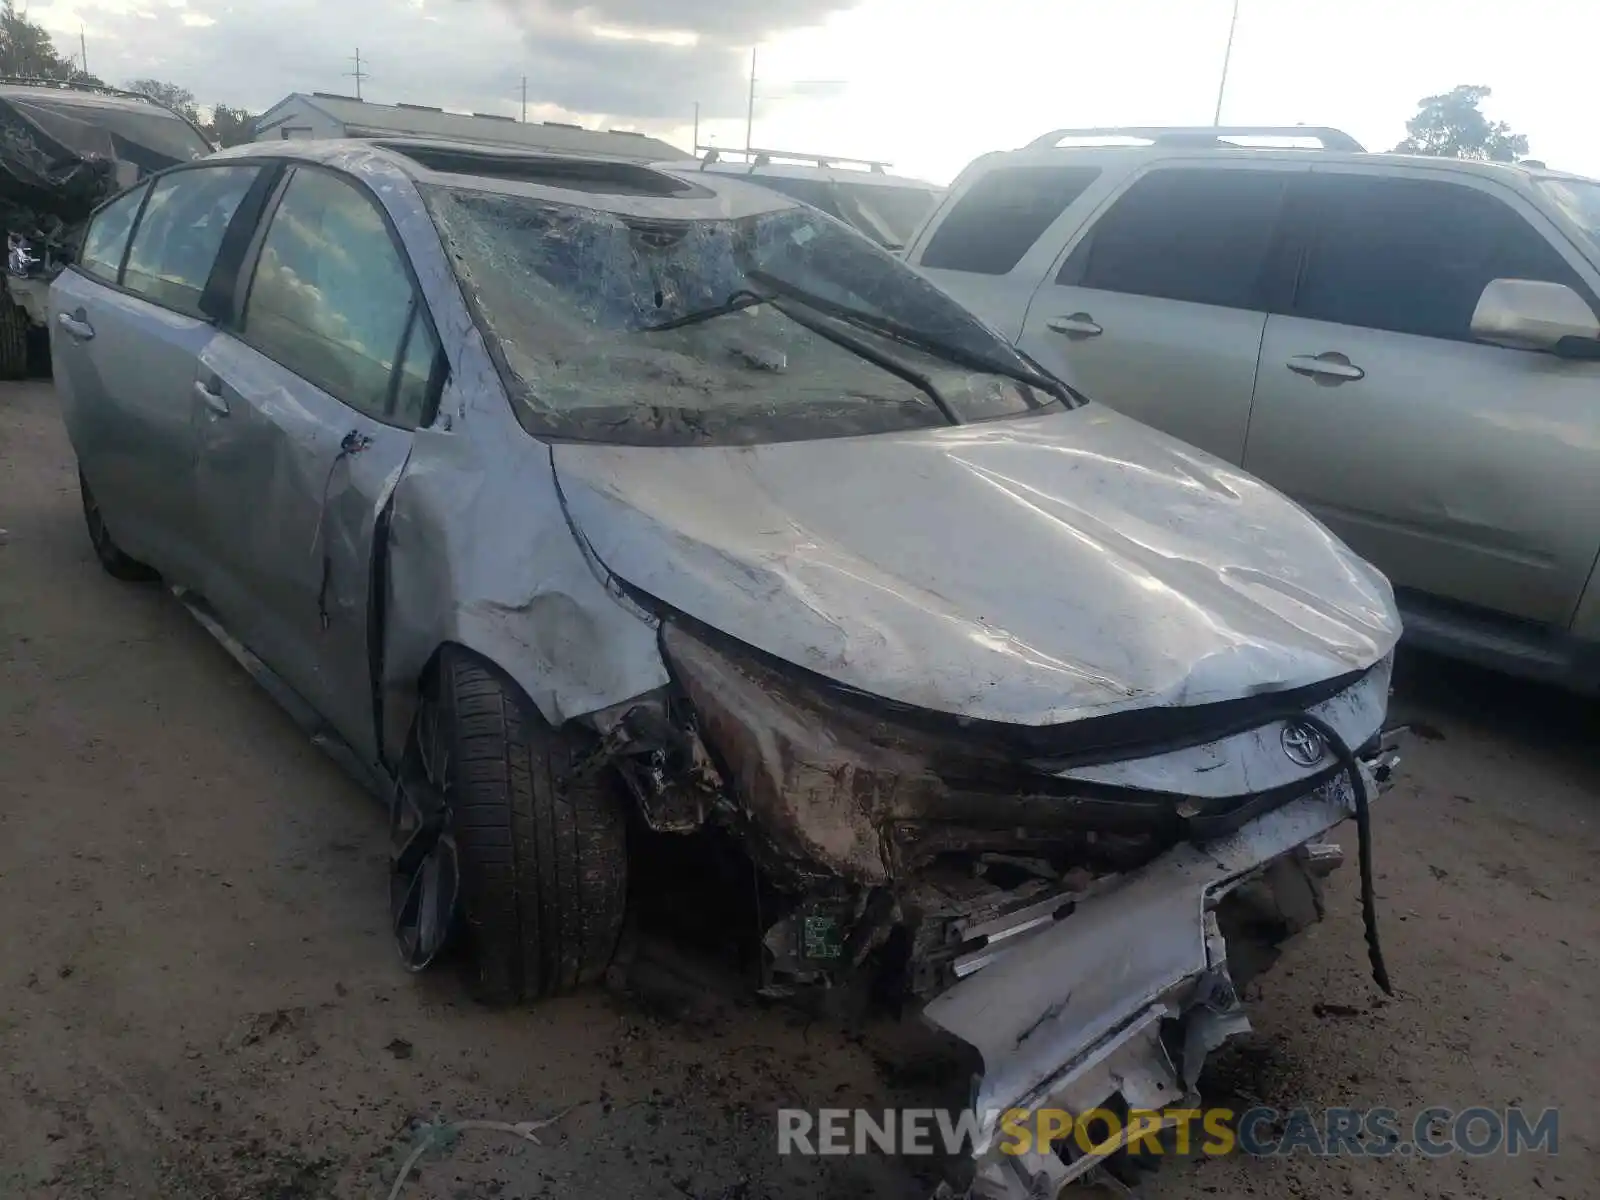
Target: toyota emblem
<point>1303,744</point>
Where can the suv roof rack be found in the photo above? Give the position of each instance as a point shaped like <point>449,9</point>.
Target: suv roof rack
<point>763,158</point>
<point>1205,136</point>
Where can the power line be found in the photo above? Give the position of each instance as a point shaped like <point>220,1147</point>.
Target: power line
<point>358,74</point>
<point>1216,118</point>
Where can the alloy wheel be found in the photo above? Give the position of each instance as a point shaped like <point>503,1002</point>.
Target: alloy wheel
<point>425,867</point>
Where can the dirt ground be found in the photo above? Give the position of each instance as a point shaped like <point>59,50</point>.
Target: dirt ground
<point>198,996</point>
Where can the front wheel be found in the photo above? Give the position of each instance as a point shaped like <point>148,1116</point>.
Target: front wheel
<point>499,840</point>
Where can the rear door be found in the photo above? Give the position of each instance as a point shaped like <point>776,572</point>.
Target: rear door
<point>1159,307</point>
<point>129,329</point>
<point>314,391</point>
<point>1462,470</point>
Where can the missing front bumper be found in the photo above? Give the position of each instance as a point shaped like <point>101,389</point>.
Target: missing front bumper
<point>1125,998</point>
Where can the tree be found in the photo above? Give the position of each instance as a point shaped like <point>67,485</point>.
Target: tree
<point>179,99</point>
<point>230,126</point>
<point>27,51</point>
<point>1452,126</point>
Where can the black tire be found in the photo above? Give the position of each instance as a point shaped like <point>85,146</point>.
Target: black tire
<point>13,339</point>
<point>543,852</point>
<point>117,564</point>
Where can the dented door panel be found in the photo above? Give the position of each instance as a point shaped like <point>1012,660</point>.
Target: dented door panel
<point>290,485</point>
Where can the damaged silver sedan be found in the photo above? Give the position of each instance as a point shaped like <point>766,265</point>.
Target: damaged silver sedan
<point>583,507</point>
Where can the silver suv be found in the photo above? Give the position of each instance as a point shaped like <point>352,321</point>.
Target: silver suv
<point>1407,346</point>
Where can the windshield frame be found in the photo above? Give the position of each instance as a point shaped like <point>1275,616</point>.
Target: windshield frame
<point>581,423</point>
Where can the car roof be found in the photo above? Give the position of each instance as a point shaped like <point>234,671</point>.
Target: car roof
<point>783,170</point>
<point>609,184</point>
<point>1125,156</point>
<point>84,97</point>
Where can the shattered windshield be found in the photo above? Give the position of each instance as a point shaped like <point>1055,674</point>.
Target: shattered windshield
<point>167,137</point>
<point>764,328</point>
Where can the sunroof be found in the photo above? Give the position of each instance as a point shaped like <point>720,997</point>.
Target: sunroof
<point>578,174</point>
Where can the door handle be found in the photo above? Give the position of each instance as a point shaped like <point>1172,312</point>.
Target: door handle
<point>78,327</point>
<point>1330,365</point>
<point>1079,324</point>
<point>211,397</point>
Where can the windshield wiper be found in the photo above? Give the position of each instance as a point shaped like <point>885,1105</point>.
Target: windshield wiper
<point>913,337</point>
<point>859,348</point>
<point>741,299</point>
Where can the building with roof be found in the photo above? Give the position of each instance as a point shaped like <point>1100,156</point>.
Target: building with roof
<point>325,115</point>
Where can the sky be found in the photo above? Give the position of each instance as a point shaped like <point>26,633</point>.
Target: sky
<point>926,85</point>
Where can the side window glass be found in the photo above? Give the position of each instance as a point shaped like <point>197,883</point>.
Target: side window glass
<point>181,231</point>
<point>107,236</point>
<point>1000,216</point>
<point>1413,255</point>
<point>330,298</point>
<point>1200,236</point>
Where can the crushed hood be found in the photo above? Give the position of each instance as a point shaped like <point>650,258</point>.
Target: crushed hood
<point>1032,571</point>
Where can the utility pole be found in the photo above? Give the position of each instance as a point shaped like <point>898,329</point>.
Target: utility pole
<point>750,111</point>
<point>1216,118</point>
<point>83,51</point>
<point>697,127</point>
<point>524,99</point>
<point>358,73</point>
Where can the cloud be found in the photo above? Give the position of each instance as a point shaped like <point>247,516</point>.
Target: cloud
<point>640,63</point>
<point>729,22</point>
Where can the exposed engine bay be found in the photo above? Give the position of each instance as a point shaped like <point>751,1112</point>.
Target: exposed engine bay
<point>999,880</point>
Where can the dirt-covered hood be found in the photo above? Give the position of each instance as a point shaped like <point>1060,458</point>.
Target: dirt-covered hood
<point>1032,571</point>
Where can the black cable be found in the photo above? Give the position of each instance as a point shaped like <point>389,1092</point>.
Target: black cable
<point>1369,905</point>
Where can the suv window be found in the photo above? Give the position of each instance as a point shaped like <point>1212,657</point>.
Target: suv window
<point>180,232</point>
<point>1001,215</point>
<point>106,239</point>
<point>1413,255</point>
<point>1195,235</point>
<point>332,302</point>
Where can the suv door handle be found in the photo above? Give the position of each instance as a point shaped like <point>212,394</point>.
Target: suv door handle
<point>78,327</point>
<point>1079,324</point>
<point>1328,365</point>
<point>209,394</point>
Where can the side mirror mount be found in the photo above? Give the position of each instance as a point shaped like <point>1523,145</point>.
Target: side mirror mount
<point>1531,314</point>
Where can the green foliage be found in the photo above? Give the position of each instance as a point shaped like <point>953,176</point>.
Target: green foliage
<point>230,126</point>
<point>26,50</point>
<point>1452,125</point>
<point>179,99</point>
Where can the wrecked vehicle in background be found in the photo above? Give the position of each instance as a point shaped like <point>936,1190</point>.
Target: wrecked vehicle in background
<point>65,148</point>
<point>583,506</point>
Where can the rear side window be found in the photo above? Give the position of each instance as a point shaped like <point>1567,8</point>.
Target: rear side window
<point>332,302</point>
<point>1413,255</point>
<point>180,232</point>
<point>1000,216</point>
<point>1200,236</point>
<point>107,236</point>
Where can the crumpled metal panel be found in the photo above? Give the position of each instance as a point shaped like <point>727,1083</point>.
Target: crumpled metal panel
<point>480,552</point>
<point>63,152</point>
<point>1031,571</point>
<point>1065,1001</point>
